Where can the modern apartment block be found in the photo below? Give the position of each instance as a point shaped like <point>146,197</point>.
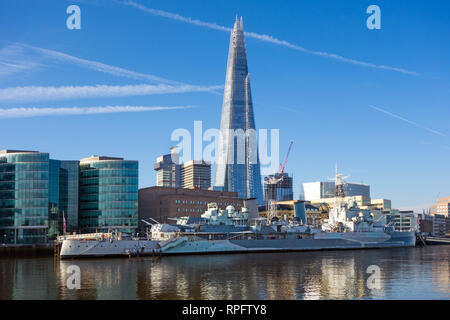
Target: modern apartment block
<point>196,174</point>
<point>173,174</point>
<point>108,194</point>
<point>442,206</point>
<point>162,203</point>
<point>168,170</point>
<point>439,225</point>
<point>35,192</point>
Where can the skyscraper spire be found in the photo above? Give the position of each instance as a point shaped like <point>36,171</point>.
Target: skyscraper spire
<point>237,165</point>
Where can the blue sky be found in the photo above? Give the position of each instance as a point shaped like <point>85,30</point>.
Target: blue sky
<point>400,146</point>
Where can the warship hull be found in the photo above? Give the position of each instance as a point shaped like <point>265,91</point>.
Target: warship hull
<point>333,241</point>
<point>106,248</point>
<point>195,245</point>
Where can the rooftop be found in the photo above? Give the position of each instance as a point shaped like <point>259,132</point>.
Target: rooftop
<point>100,158</point>
<point>197,162</point>
<point>5,151</point>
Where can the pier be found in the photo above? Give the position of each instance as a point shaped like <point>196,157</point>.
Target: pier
<point>437,241</point>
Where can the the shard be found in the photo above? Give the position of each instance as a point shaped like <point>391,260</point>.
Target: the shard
<point>237,161</point>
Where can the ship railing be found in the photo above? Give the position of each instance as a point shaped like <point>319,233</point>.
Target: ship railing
<point>85,236</point>
<point>239,234</point>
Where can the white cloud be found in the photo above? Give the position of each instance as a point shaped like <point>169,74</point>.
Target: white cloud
<point>36,112</point>
<point>264,37</point>
<point>38,93</point>
<point>12,60</point>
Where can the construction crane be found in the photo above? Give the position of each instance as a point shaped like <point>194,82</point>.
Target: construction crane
<point>282,166</point>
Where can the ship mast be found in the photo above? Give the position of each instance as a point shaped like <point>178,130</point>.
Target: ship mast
<point>337,215</point>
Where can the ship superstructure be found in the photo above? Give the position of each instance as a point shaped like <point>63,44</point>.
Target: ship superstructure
<point>230,231</point>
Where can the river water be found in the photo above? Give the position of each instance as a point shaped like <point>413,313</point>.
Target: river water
<point>404,273</point>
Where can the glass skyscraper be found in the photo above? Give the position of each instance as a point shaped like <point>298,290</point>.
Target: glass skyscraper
<point>108,195</point>
<point>34,191</point>
<point>237,160</point>
<point>63,196</point>
<point>24,190</point>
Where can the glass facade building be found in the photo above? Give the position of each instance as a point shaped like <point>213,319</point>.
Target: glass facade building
<point>326,189</point>
<point>34,193</point>
<point>63,197</point>
<point>24,196</point>
<point>108,195</point>
<point>237,161</point>
<point>281,191</point>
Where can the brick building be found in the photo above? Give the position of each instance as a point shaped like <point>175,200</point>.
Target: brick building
<point>161,203</point>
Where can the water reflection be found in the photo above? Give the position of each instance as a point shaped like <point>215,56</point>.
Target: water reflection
<point>407,273</point>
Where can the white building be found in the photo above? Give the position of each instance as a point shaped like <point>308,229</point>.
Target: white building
<point>325,189</point>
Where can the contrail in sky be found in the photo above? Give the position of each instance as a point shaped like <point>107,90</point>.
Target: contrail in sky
<point>409,121</point>
<point>264,37</point>
<point>102,67</point>
<point>99,66</point>
<point>38,93</point>
<point>36,112</point>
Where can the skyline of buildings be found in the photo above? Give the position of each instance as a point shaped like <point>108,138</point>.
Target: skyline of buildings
<point>107,194</point>
<point>40,196</point>
<point>285,83</point>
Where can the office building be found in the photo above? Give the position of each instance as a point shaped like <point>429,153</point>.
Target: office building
<point>35,191</point>
<point>237,160</point>
<point>196,174</point>
<point>325,189</point>
<point>281,190</point>
<point>171,173</point>
<point>403,220</point>
<point>382,204</point>
<point>318,190</point>
<point>108,195</point>
<point>442,206</point>
<point>162,203</point>
<point>63,197</point>
<point>439,225</point>
<point>168,170</point>
<point>426,224</point>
